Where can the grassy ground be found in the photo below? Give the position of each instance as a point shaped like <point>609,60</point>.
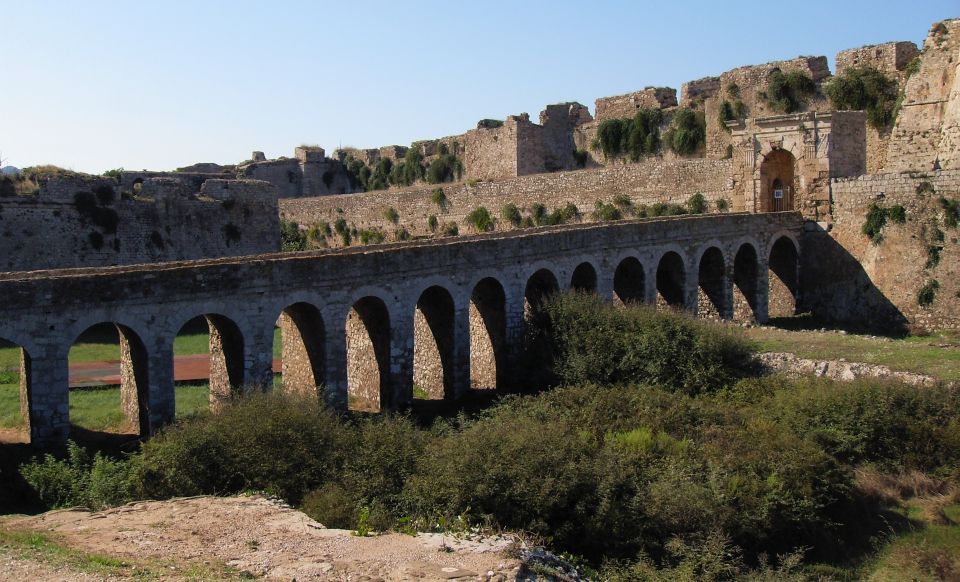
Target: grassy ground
<point>930,551</point>
<point>911,353</point>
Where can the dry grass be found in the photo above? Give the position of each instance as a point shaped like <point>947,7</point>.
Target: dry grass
<point>895,489</point>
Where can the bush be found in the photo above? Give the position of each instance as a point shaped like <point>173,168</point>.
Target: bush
<point>291,237</point>
<point>79,480</point>
<point>401,234</point>
<point>371,236</point>
<point>511,214</point>
<point>445,168</point>
<point>687,133</point>
<point>787,93</point>
<point>450,229</point>
<point>391,215</point>
<point>605,212</point>
<point>480,219</point>
<point>722,204</point>
<point>438,197</point>
<point>928,293</point>
<point>635,137</point>
<point>697,204</point>
<point>865,88</point>
<point>593,341</point>
<point>432,222</point>
<point>730,111</point>
<point>876,219</point>
<point>951,212</point>
<point>283,444</point>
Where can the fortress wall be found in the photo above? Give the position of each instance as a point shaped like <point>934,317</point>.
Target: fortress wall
<point>897,266</point>
<point>646,182</point>
<point>48,231</point>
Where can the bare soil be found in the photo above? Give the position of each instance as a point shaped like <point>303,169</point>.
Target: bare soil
<point>253,537</point>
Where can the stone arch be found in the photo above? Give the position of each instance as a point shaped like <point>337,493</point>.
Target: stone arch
<point>133,373</point>
<point>19,377</point>
<point>303,349</point>
<point>540,285</point>
<point>746,272</point>
<point>784,269</point>
<point>368,354</point>
<point>629,282</point>
<point>488,335</point>
<point>712,281</point>
<point>434,344</point>
<point>584,278</point>
<point>777,178</point>
<point>226,359</point>
<point>671,280</point>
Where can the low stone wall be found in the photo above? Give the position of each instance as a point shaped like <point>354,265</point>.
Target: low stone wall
<point>850,278</point>
<point>647,182</point>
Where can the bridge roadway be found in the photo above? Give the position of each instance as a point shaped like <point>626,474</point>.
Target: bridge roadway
<point>355,320</point>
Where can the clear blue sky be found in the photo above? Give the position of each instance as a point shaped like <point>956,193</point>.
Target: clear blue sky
<point>95,85</point>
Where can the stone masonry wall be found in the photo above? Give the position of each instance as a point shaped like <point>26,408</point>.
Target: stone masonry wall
<point>928,126</point>
<point>850,278</point>
<point>226,218</point>
<point>620,106</point>
<point>647,182</point>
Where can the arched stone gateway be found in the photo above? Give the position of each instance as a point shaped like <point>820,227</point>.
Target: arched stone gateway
<point>629,282</point>
<point>433,345</point>
<point>777,187</point>
<point>584,278</point>
<point>368,355</point>
<point>671,280</point>
<point>303,349</point>
<point>746,272</point>
<point>712,300</point>
<point>488,335</point>
<point>784,278</point>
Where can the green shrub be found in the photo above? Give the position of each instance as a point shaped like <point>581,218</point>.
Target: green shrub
<point>867,89</point>
<point>450,229</point>
<point>721,204</point>
<point>592,341</point>
<point>697,204</point>
<point>280,443</point>
<point>445,168</point>
<point>401,234</point>
<point>634,137</point>
<point>951,212</point>
<point>787,93</point>
<point>729,111</point>
<point>876,219</point>
<point>391,215</point>
<point>79,480</point>
<point>432,222</point>
<point>480,219</point>
<point>538,212</point>
<point>933,256</point>
<point>928,293</point>
<point>438,197</point>
<point>332,505</point>
<point>511,214</point>
<point>291,237</point>
<point>605,212</point>
<point>371,236</point>
<point>687,133</point>
<point>913,67</point>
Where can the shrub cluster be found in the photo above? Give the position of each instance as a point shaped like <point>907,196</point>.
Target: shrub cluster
<point>446,167</point>
<point>687,133</point>
<point>480,219</point>
<point>291,237</point>
<point>787,93</point>
<point>866,89</point>
<point>635,137</point>
<point>877,217</point>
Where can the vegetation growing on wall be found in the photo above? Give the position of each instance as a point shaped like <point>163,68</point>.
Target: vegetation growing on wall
<point>877,217</point>
<point>438,197</point>
<point>867,89</point>
<point>391,215</point>
<point>635,138</point>
<point>511,214</point>
<point>951,212</point>
<point>385,173</point>
<point>788,93</point>
<point>697,204</point>
<point>480,219</point>
<point>687,133</point>
<point>928,293</point>
<point>291,237</point>
<point>446,168</point>
<point>730,111</point>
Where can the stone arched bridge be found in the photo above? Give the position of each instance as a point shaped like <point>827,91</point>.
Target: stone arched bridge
<point>370,323</point>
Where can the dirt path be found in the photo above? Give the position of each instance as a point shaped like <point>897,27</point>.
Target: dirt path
<point>250,536</point>
<point>107,372</point>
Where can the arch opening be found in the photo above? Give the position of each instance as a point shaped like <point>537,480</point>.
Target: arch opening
<point>629,282</point>
<point>302,349</point>
<point>488,335</point>
<point>208,347</point>
<point>784,278</point>
<point>777,191</point>
<point>746,285</point>
<point>16,391</point>
<point>584,278</point>
<point>368,355</point>
<point>105,357</point>
<point>539,286</point>
<point>671,281</point>
<point>433,345</point>
<point>711,296</point>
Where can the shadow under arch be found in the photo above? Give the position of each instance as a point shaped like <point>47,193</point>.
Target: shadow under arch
<point>784,269</point>
<point>671,280</point>
<point>584,278</point>
<point>629,282</point>
<point>712,279</point>
<point>746,272</point>
<point>488,335</point>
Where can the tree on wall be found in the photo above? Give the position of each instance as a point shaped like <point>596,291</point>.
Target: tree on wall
<point>866,89</point>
